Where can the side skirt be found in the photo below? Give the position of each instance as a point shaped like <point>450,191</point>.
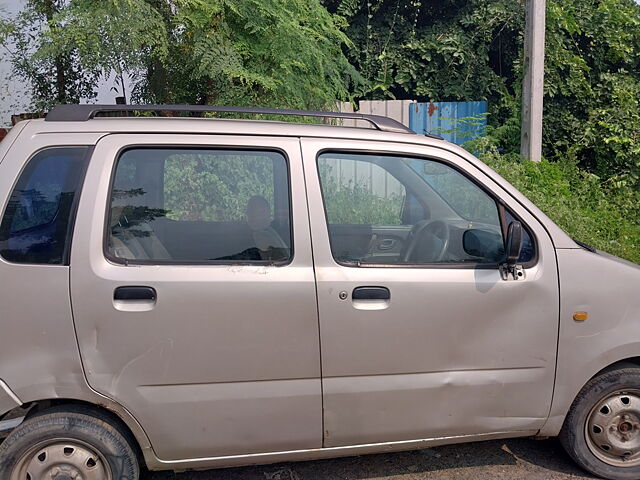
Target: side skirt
<point>323,453</point>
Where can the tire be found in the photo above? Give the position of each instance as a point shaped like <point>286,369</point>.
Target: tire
<point>54,442</point>
<point>602,429</point>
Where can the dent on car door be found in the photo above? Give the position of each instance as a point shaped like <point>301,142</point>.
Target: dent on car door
<point>194,300</point>
<point>439,344</point>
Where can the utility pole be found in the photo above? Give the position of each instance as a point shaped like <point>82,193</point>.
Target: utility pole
<point>533,84</point>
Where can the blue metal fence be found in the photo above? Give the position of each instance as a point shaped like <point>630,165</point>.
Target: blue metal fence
<point>457,122</point>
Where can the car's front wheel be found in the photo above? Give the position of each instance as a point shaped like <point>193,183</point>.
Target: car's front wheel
<point>66,444</point>
<point>602,430</point>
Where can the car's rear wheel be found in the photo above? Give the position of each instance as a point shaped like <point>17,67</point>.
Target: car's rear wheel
<point>602,430</point>
<point>64,445</point>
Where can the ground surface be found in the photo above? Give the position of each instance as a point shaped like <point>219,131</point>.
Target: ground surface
<point>518,459</point>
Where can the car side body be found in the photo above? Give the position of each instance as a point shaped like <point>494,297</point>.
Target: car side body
<point>237,362</point>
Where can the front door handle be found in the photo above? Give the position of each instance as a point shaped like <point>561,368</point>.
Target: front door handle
<point>135,293</point>
<point>371,293</point>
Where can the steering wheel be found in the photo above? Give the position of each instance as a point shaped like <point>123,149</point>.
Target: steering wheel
<point>436,229</point>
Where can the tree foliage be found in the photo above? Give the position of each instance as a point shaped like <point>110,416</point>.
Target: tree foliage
<point>592,87</point>
<point>275,52</point>
<point>428,51</point>
<point>299,53</point>
<point>459,50</point>
<point>53,78</point>
<point>120,36</point>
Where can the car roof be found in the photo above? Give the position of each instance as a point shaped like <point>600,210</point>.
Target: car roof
<point>184,125</point>
<point>72,112</point>
<point>113,118</point>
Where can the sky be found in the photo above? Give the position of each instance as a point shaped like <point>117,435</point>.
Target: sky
<point>11,92</point>
<point>14,97</point>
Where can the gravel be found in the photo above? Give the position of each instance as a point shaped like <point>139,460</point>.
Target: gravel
<point>514,459</point>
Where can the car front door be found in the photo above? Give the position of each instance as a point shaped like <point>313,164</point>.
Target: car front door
<point>425,340</point>
<point>194,295</point>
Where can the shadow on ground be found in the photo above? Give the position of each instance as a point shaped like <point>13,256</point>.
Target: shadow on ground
<point>504,459</point>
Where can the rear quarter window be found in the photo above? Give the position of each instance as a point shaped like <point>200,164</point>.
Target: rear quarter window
<point>36,225</point>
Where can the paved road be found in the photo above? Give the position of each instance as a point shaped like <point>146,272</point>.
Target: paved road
<point>517,459</point>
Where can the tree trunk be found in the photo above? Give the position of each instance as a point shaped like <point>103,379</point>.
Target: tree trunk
<point>61,91</point>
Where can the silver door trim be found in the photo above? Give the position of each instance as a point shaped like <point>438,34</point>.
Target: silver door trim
<point>10,393</point>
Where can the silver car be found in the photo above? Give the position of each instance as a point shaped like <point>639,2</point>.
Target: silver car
<point>191,293</point>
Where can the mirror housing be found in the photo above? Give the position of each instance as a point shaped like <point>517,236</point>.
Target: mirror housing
<point>513,247</point>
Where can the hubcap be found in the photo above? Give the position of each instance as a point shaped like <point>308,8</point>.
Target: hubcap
<point>612,430</point>
<point>61,460</point>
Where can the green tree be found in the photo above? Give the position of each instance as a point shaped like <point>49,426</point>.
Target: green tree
<point>592,86</point>
<point>240,52</point>
<point>451,50</point>
<point>459,50</point>
<point>448,50</point>
<point>64,48</point>
<point>254,52</point>
<point>54,78</point>
<point>110,36</point>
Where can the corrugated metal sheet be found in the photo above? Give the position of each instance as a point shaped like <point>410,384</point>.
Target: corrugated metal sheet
<point>457,122</point>
<point>396,109</point>
<point>369,176</point>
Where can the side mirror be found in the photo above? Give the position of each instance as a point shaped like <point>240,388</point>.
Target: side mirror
<point>484,244</point>
<point>514,243</point>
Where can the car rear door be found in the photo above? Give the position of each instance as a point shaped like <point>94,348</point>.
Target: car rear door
<point>437,344</point>
<point>193,292</point>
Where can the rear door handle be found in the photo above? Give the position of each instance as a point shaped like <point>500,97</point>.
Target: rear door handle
<point>135,293</point>
<point>371,293</point>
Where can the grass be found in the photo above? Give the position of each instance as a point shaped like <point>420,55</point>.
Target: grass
<point>605,215</point>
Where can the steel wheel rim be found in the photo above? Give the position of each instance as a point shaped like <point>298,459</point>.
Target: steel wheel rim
<point>612,429</point>
<point>61,459</point>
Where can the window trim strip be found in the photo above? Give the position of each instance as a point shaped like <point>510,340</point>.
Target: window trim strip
<point>453,265</point>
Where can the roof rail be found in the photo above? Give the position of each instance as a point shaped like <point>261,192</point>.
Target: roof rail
<point>82,113</point>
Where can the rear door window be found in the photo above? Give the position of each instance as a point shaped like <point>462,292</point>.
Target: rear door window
<point>188,205</point>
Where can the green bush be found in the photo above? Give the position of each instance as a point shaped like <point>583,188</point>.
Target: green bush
<point>355,203</point>
<point>605,215</point>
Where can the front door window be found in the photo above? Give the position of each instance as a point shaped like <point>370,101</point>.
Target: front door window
<point>385,209</point>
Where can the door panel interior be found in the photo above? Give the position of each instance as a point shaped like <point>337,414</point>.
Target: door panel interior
<point>372,243</point>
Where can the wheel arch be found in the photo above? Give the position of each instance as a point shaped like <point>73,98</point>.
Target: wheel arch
<point>113,411</point>
<point>563,400</point>
<point>633,362</point>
